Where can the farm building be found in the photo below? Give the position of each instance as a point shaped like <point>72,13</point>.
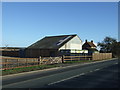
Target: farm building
<point>11,51</point>
<point>90,46</point>
<point>55,46</point>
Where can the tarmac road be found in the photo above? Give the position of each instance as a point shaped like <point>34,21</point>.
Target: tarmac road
<point>103,74</point>
<point>99,78</point>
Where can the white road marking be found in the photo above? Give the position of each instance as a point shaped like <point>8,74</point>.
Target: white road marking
<point>73,77</point>
<point>67,79</point>
<point>90,71</point>
<point>7,76</point>
<point>96,69</point>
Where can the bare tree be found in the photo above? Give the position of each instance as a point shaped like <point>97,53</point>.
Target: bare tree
<point>6,46</point>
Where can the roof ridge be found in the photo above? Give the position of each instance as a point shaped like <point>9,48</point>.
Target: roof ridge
<point>62,35</point>
<point>54,41</point>
<point>91,43</point>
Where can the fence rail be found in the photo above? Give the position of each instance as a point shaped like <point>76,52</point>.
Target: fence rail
<point>10,62</point>
<point>77,58</point>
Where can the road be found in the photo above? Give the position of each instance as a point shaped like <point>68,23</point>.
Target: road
<point>103,74</point>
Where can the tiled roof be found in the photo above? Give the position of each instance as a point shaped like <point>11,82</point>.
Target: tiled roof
<point>91,44</point>
<point>88,45</point>
<point>51,42</point>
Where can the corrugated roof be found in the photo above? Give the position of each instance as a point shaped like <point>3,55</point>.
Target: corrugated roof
<point>51,42</point>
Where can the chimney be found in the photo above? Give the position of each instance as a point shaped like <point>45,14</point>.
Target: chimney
<point>86,40</point>
<point>92,41</point>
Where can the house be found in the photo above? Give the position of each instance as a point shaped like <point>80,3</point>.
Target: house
<point>54,46</point>
<point>90,46</point>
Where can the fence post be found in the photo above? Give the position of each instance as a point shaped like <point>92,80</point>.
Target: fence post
<point>34,61</point>
<point>39,60</point>
<point>63,59</point>
<point>26,63</point>
<point>89,58</point>
<point>92,58</point>
<point>5,64</point>
<point>17,62</point>
<point>85,57</point>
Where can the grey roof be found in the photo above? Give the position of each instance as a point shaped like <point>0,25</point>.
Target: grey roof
<point>51,42</point>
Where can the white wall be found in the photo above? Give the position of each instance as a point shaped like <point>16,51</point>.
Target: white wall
<point>74,43</point>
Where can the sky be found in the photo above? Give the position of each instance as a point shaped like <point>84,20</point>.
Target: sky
<point>24,23</point>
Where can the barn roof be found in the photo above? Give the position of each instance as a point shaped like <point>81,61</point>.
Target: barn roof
<point>51,42</point>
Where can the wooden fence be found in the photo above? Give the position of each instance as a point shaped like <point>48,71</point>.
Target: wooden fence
<point>76,58</point>
<point>100,56</point>
<point>10,63</point>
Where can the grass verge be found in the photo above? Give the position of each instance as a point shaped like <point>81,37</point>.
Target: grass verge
<point>27,69</point>
<point>40,67</point>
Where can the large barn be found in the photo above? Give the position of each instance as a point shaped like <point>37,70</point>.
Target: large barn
<point>55,46</point>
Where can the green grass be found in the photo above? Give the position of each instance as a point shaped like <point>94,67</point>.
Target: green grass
<point>26,69</point>
<point>40,67</point>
